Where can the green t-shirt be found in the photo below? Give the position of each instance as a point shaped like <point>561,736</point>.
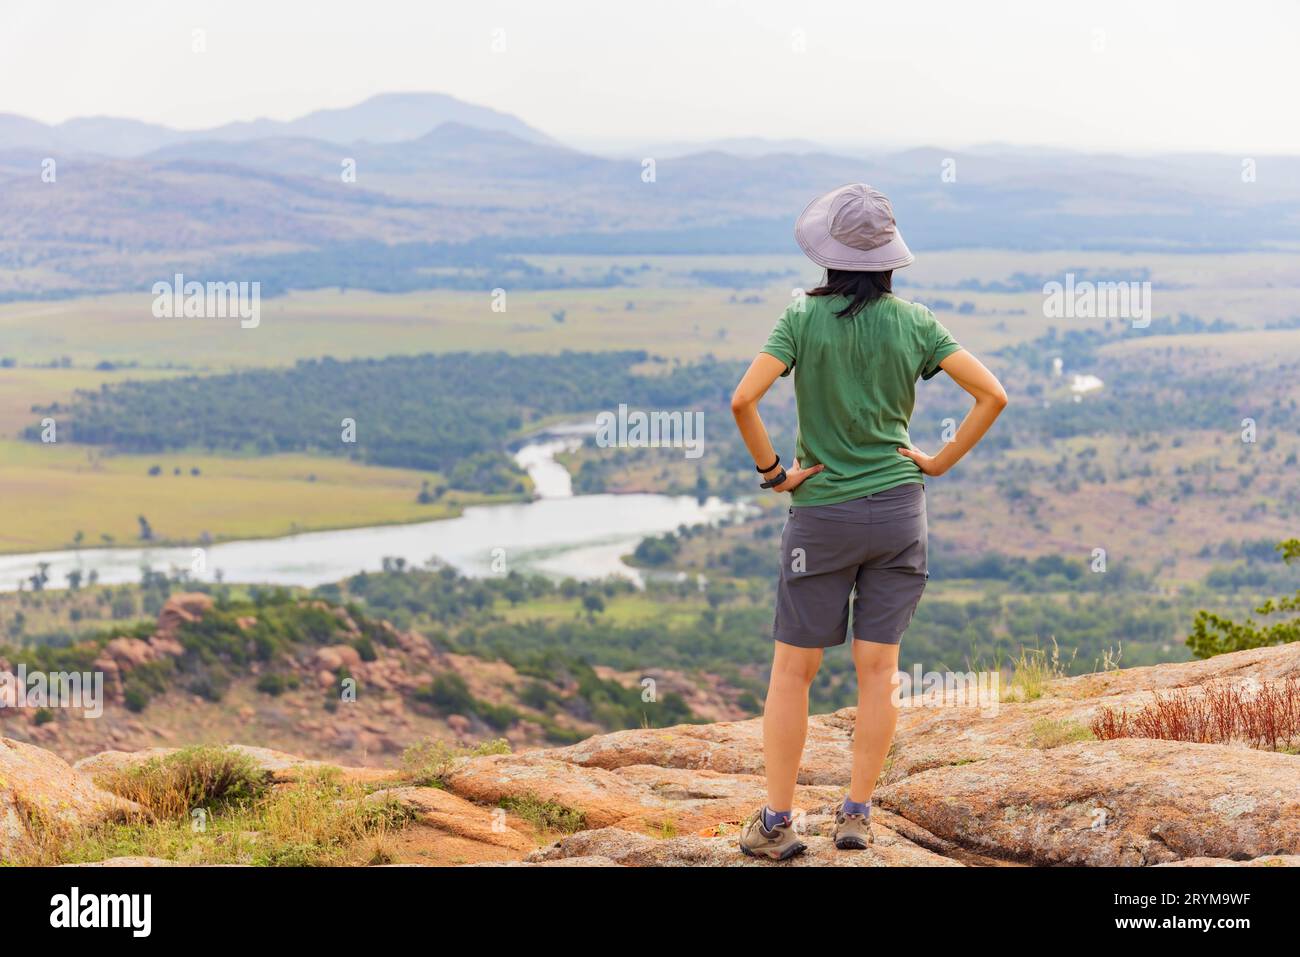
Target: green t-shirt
<point>855,388</point>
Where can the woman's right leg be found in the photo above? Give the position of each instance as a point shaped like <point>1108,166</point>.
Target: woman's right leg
<point>785,720</point>
<point>877,667</point>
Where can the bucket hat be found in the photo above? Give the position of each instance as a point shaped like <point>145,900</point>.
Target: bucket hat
<point>852,227</point>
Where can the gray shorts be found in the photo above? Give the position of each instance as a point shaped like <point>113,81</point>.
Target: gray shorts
<point>873,548</point>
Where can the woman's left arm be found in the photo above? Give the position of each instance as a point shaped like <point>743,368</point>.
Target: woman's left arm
<point>762,372</point>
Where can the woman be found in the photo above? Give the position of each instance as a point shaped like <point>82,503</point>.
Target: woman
<point>857,522</point>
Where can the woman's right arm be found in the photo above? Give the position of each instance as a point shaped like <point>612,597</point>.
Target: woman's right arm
<point>990,399</point>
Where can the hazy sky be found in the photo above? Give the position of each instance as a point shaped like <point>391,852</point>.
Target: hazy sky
<point>1129,76</point>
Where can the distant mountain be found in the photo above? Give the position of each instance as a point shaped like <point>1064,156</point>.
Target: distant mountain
<point>113,136</point>
<point>286,206</point>
<point>18,132</point>
<point>386,118</point>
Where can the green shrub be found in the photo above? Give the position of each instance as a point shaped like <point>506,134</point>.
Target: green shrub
<point>136,699</point>
<point>276,684</point>
<point>1216,635</point>
<point>545,815</point>
<point>449,694</point>
<point>207,777</point>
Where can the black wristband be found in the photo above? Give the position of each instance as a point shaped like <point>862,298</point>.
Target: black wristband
<point>770,467</point>
<point>774,482</point>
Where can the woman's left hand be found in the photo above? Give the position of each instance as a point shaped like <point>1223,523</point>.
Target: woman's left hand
<point>926,463</point>
<point>794,477</point>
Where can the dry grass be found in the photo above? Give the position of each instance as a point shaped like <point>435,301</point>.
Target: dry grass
<point>1034,669</point>
<point>1047,733</point>
<point>200,777</point>
<point>316,820</point>
<point>426,764</point>
<point>1268,717</point>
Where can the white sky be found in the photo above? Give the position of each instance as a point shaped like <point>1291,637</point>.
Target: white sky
<point>1169,75</point>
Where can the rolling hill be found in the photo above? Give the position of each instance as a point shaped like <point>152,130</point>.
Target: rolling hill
<point>131,203</point>
<point>386,118</point>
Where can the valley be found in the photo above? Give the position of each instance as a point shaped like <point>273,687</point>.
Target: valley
<point>354,453</point>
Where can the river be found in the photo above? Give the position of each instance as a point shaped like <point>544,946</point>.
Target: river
<point>558,534</point>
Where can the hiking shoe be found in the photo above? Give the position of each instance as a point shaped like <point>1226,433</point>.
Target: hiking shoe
<point>779,844</point>
<point>852,831</point>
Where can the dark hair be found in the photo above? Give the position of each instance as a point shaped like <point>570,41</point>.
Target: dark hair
<point>860,288</point>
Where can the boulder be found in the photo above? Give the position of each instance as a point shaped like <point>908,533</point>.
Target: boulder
<point>39,791</point>
<point>459,725</point>
<point>1255,666</point>
<point>333,657</point>
<point>701,800</point>
<point>179,609</point>
<point>1108,803</point>
<point>601,796</point>
<point>447,812</point>
<point>130,653</point>
<point>732,747</point>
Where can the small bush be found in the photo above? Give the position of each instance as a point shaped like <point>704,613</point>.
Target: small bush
<point>276,684</point>
<point>449,694</point>
<point>207,777</point>
<point>545,815</point>
<point>135,699</point>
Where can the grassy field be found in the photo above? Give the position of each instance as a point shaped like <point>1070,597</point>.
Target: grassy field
<point>24,387</point>
<point>665,307</point>
<point>54,491</point>
<point>631,609</point>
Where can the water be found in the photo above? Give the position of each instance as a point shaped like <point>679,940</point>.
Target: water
<point>559,534</point>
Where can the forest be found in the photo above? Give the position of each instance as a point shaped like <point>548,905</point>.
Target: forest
<point>427,412</point>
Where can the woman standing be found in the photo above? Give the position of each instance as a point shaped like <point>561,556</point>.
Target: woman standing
<point>857,522</point>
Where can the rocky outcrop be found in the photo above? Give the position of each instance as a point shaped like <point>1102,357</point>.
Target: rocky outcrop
<point>732,747</point>
<point>963,784</point>
<point>120,656</point>
<point>1024,783</point>
<point>634,849</point>
<point>1111,803</point>
<point>305,711</point>
<point>638,796</point>
<point>184,608</point>
<point>454,815</point>
<point>40,793</point>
